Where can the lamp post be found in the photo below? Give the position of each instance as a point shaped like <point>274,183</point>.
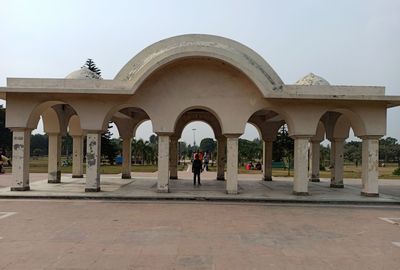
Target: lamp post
<point>194,137</point>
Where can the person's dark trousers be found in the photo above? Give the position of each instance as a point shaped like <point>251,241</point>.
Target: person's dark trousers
<point>194,178</point>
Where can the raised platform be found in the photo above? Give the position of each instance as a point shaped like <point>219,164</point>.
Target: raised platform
<point>143,186</point>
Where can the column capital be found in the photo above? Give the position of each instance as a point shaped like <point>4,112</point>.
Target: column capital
<point>232,135</point>
<point>87,131</point>
<point>169,134</point>
<point>20,129</point>
<point>306,137</point>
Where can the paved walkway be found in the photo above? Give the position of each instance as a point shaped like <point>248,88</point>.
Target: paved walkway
<point>144,186</point>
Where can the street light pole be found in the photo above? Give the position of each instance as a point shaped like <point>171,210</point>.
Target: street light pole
<point>194,137</point>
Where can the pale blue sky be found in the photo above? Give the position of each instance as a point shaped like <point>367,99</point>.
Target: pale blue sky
<point>346,42</point>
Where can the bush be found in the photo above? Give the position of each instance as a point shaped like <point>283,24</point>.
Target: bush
<point>396,171</point>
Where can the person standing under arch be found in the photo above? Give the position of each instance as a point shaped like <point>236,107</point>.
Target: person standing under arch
<point>197,167</point>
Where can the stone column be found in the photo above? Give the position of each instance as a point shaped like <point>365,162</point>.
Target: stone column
<point>163,166</point>
<point>173,158</point>
<point>300,184</point>
<point>221,145</point>
<point>20,159</point>
<point>232,165</point>
<point>93,159</point>
<point>77,156</point>
<point>267,162</point>
<point>370,163</point>
<point>332,159</point>
<point>315,158</point>
<point>337,179</point>
<point>126,158</point>
<point>54,158</point>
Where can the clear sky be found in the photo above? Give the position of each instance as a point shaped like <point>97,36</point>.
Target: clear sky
<point>347,42</point>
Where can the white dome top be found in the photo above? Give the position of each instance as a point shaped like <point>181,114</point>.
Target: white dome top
<point>312,79</point>
<point>83,74</point>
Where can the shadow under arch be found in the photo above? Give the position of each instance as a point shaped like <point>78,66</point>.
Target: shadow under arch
<point>125,114</point>
<point>198,113</point>
<point>330,116</point>
<point>269,120</point>
<point>63,110</point>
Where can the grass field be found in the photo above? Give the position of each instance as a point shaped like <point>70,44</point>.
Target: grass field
<point>39,165</point>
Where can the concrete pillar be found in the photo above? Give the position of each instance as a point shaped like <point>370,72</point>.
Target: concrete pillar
<point>232,165</point>
<point>337,179</point>
<point>332,159</point>
<point>221,158</point>
<point>93,159</point>
<point>370,162</point>
<point>126,158</point>
<point>267,162</point>
<point>315,159</point>
<point>77,156</point>
<point>173,158</point>
<point>300,184</point>
<point>20,159</point>
<point>54,158</point>
<point>163,164</point>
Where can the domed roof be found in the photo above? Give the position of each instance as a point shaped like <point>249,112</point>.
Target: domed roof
<point>312,79</point>
<point>83,74</point>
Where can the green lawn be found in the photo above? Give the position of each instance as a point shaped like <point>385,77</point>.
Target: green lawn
<point>39,165</point>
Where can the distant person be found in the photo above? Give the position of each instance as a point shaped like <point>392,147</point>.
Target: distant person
<point>258,166</point>
<point>206,162</point>
<point>197,167</point>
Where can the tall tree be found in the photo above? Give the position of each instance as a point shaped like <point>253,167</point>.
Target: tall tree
<point>109,148</point>
<point>208,145</point>
<point>5,133</point>
<point>283,147</point>
<point>89,64</point>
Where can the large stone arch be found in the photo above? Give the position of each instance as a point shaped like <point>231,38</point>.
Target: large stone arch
<point>139,68</point>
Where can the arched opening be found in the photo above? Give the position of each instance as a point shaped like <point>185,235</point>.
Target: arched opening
<point>46,136</point>
<point>340,158</point>
<point>250,150</point>
<point>197,133</point>
<point>272,153</point>
<point>125,151</point>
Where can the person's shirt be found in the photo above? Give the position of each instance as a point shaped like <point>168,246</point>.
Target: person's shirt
<point>197,165</point>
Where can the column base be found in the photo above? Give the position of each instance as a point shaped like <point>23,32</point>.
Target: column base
<point>26,188</point>
<point>162,190</point>
<point>300,193</point>
<point>221,178</point>
<point>77,176</point>
<point>56,181</point>
<point>232,192</point>
<point>173,177</point>
<point>92,189</point>
<point>268,178</point>
<point>126,176</point>
<point>315,180</point>
<point>366,194</point>
<point>336,185</point>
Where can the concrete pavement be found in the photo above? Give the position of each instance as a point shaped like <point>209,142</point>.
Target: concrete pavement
<point>79,234</point>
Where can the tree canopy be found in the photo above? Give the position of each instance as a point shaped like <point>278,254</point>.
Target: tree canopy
<point>89,64</point>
